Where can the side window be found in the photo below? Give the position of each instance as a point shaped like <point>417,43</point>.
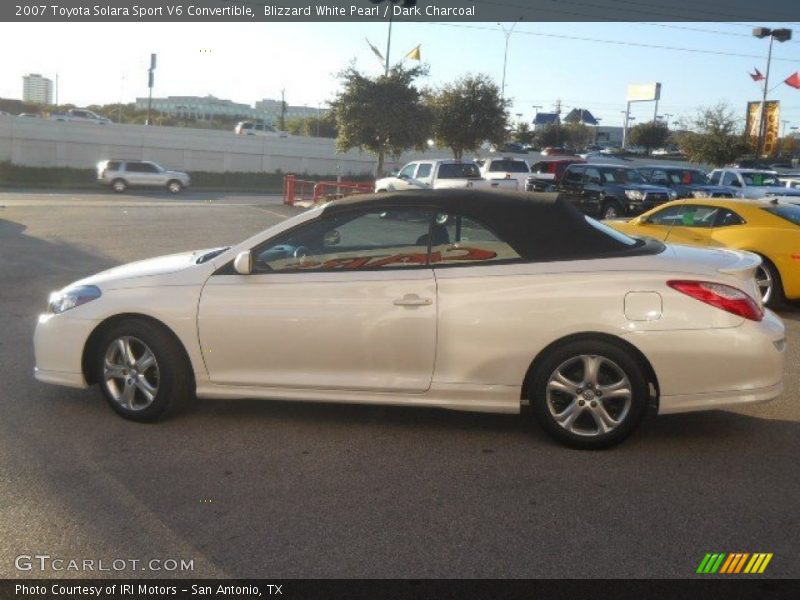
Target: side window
<point>460,240</point>
<point>659,176</point>
<point>408,171</point>
<point>731,179</point>
<point>113,166</point>
<point>646,173</point>
<point>668,216</point>
<point>394,238</point>
<point>593,176</point>
<point>726,218</point>
<point>424,171</point>
<point>714,177</point>
<point>134,167</point>
<point>573,176</point>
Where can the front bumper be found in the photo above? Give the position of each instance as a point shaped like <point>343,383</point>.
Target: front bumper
<point>58,345</point>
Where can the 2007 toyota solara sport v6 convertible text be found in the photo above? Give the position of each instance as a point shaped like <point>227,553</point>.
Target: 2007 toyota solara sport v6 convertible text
<point>460,299</point>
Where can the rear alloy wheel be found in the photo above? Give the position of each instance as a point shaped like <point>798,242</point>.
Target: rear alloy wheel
<point>119,185</point>
<point>612,210</point>
<point>174,187</point>
<point>142,371</point>
<point>589,394</point>
<point>769,283</point>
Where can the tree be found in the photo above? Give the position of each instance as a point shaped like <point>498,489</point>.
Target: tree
<point>577,135</point>
<point>649,135</point>
<point>523,133</point>
<point>468,113</point>
<point>384,114</point>
<point>549,135</point>
<point>713,137</point>
<point>324,126</point>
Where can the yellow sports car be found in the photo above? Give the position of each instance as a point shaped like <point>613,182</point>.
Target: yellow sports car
<point>770,228</point>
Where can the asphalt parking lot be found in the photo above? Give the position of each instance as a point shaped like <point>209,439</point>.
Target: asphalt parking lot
<point>275,489</point>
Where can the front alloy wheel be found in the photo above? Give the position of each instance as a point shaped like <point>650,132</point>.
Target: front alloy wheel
<point>130,373</point>
<point>142,369</point>
<point>589,393</point>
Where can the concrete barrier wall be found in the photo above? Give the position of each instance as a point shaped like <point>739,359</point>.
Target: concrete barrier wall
<point>42,143</point>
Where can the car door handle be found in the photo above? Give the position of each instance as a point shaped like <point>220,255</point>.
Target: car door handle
<point>413,300</point>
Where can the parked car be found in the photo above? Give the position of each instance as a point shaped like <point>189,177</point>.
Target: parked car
<point>546,174</point>
<point>5,114</point>
<point>556,151</point>
<point>80,115</point>
<point>257,128</point>
<point>122,174</point>
<point>610,191</point>
<point>30,115</point>
<point>771,229</point>
<point>506,168</point>
<point>668,151</point>
<point>751,183</point>
<point>793,183</point>
<point>439,174</point>
<point>514,147</point>
<point>517,302</point>
<point>686,181</point>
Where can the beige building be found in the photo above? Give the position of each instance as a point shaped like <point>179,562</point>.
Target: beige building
<point>38,89</point>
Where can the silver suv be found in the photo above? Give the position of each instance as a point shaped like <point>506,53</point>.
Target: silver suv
<point>122,174</point>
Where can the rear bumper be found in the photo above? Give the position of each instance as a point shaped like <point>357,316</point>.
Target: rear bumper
<point>707,369</point>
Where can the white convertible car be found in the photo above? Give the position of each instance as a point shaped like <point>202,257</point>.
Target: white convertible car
<point>458,299</point>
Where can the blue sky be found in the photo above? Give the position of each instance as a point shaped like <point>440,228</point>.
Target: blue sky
<point>249,61</point>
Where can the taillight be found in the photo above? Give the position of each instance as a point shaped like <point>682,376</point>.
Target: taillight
<point>726,297</point>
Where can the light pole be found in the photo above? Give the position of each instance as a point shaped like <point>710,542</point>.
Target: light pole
<point>507,33</point>
<point>782,35</point>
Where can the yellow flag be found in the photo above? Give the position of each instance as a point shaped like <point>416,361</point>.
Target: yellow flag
<point>414,54</point>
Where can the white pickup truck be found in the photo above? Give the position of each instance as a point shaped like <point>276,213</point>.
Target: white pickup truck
<point>440,174</point>
<point>80,115</point>
<point>504,169</point>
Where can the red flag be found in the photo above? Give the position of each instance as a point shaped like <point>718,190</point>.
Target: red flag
<point>757,76</point>
<point>793,80</point>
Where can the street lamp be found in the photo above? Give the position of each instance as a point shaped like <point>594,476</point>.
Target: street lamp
<point>782,35</point>
<point>507,33</point>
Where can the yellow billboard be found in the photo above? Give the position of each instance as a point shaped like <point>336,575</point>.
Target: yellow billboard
<point>753,126</point>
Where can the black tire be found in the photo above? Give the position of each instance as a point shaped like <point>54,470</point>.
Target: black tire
<point>173,373</point>
<point>611,209</point>
<point>775,297</point>
<point>119,185</point>
<point>581,435</point>
<point>174,186</point>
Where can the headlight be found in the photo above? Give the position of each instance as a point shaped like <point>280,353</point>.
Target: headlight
<point>701,194</point>
<point>634,195</point>
<point>673,195</point>
<point>71,297</point>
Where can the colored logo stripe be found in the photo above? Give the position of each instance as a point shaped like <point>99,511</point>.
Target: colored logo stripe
<point>734,562</point>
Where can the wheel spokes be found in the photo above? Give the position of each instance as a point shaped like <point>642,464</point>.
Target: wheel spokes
<point>131,373</point>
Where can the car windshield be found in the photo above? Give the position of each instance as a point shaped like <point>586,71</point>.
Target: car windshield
<point>508,166</point>
<point>613,233</point>
<point>790,212</point>
<point>458,170</point>
<point>687,177</point>
<point>760,179</point>
<point>621,175</point>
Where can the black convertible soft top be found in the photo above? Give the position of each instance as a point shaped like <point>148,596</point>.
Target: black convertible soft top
<point>538,228</point>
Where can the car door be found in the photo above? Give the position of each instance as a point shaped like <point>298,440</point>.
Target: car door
<point>591,195</point>
<point>135,173</point>
<point>655,225</point>
<point>571,185</point>
<point>405,178</point>
<point>694,226</point>
<point>344,302</point>
<point>423,175</point>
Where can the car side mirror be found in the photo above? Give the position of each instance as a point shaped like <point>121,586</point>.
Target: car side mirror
<point>243,263</point>
<point>394,173</point>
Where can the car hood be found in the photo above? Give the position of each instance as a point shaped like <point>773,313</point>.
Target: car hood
<point>149,271</point>
<point>645,187</point>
